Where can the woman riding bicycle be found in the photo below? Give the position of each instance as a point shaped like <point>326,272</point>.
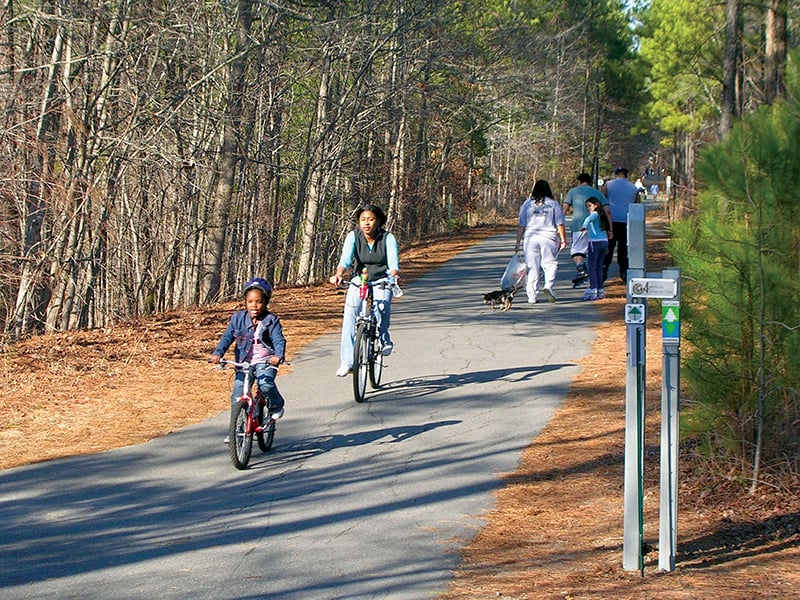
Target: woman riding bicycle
<point>369,246</point>
<point>259,341</point>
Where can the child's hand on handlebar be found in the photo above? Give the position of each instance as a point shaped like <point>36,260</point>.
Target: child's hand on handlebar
<point>214,359</point>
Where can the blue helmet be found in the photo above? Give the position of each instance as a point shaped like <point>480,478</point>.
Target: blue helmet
<point>257,283</point>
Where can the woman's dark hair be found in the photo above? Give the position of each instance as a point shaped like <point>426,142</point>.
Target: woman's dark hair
<point>541,189</point>
<point>375,210</point>
<point>601,213</point>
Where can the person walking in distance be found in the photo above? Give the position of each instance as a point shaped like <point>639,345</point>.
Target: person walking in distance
<point>575,201</point>
<point>621,193</point>
<point>541,234</point>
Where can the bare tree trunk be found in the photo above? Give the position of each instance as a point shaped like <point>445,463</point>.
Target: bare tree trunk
<point>230,156</point>
<point>731,66</point>
<point>762,353</point>
<point>33,293</point>
<point>775,50</point>
<point>397,128</point>
<point>317,159</point>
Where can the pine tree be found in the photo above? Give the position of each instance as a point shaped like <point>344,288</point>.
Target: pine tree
<point>740,257</point>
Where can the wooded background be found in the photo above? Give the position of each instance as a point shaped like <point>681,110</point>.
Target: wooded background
<point>158,154</point>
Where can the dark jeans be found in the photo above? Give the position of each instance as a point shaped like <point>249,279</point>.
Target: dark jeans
<point>265,378</point>
<point>620,242</point>
<point>597,252</point>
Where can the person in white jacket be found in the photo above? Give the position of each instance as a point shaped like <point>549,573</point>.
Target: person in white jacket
<point>542,235</point>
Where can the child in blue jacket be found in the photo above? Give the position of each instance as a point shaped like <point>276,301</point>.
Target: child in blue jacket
<point>259,341</point>
<point>597,226</point>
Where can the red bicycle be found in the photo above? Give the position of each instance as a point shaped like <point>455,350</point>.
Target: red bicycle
<point>367,346</point>
<point>247,419</point>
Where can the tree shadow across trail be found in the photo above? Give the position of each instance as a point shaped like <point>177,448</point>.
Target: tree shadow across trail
<point>416,387</point>
<point>303,449</point>
<point>735,541</point>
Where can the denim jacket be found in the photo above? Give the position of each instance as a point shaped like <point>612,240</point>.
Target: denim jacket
<point>241,330</point>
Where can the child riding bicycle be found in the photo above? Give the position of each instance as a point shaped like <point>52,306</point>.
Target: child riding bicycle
<point>259,341</point>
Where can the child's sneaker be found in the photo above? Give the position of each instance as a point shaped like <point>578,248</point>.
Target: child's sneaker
<point>600,294</point>
<point>590,295</point>
<point>275,415</point>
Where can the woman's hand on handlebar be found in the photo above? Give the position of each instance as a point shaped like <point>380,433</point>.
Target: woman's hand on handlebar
<point>338,277</point>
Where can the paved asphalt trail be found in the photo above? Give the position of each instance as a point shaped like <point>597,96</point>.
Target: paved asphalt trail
<point>355,500</point>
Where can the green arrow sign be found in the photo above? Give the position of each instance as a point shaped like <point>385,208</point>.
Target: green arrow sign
<point>670,319</point>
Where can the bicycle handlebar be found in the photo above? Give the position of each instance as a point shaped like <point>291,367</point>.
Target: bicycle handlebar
<point>382,283</point>
<point>223,362</point>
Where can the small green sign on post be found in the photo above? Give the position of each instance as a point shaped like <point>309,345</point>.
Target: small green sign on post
<point>671,321</point>
<point>634,313</point>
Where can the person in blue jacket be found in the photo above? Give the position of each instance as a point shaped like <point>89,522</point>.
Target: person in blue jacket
<point>259,339</point>
<point>597,225</point>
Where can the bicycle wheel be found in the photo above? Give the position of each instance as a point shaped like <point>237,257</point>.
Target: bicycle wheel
<point>241,440</point>
<point>266,436</point>
<point>360,362</point>
<point>375,362</point>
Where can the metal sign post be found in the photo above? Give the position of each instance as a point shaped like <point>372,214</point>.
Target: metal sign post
<point>640,288</point>
<point>670,426</point>
<point>635,315</point>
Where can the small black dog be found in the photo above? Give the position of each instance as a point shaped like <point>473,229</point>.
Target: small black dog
<point>499,297</point>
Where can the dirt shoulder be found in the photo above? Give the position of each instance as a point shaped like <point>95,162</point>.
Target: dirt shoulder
<point>556,529</point>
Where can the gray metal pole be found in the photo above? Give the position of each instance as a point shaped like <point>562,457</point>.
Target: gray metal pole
<point>633,521</point>
<point>670,428</point>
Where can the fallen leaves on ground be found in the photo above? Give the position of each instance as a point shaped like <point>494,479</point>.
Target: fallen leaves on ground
<point>556,528</point>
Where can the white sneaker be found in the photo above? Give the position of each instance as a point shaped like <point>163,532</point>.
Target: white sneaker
<point>343,370</point>
<point>387,349</point>
<point>531,300</point>
<point>551,297</point>
<point>274,416</point>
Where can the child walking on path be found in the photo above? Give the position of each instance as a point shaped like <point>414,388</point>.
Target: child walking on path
<point>597,226</point>
<point>259,341</point>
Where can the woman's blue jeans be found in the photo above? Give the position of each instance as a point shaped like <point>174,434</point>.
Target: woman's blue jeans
<point>352,306</point>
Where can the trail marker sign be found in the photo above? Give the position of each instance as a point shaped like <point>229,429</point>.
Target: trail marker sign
<point>671,321</point>
<point>634,313</point>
